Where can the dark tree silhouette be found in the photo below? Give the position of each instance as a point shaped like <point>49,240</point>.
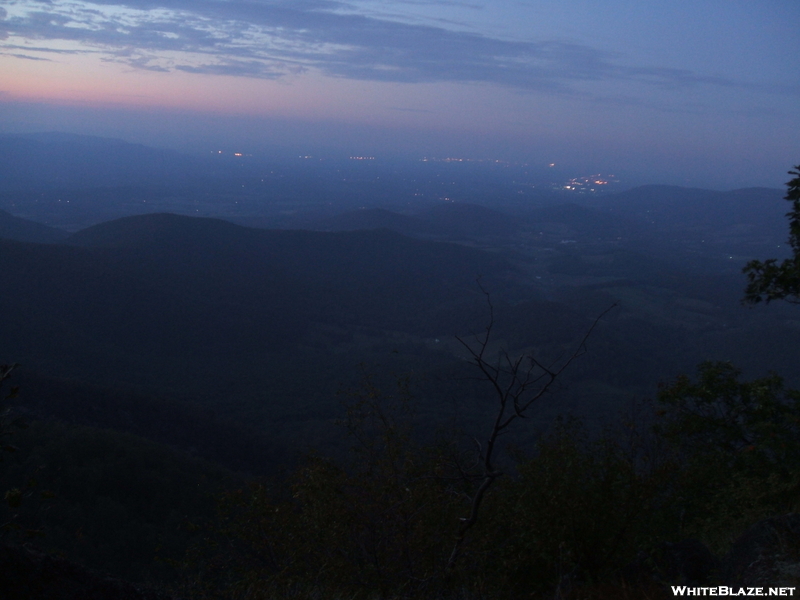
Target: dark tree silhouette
<point>769,280</point>
<point>5,411</point>
<point>517,383</point>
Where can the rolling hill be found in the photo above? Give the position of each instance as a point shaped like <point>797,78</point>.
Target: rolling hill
<point>23,230</point>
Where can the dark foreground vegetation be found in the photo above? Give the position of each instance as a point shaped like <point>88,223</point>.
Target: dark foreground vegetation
<point>180,428</point>
<point>578,516</point>
<point>658,499</point>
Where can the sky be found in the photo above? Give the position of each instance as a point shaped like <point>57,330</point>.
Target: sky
<point>686,92</point>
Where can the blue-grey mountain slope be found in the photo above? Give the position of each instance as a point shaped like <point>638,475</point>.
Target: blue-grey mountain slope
<point>23,230</point>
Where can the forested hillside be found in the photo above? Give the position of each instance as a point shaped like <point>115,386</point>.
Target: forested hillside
<point>168,361</point>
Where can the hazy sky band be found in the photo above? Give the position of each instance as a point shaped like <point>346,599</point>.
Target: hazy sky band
<point>535,69</point>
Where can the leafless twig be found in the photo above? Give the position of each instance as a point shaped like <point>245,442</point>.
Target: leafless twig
<point>517,383</point>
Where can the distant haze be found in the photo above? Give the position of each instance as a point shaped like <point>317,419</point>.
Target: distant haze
<point>702,93</point>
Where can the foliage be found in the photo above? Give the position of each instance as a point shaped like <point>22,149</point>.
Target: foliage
<point>13,497</point>
<point>381,524</point>
<point>122,505</point>
<point>569,517</point>
<point>715,455</point>
<point>578,510</point>
<point>385,520</point>
<point>6,425</point>
<point>737,444</point>
<point>769,280</point>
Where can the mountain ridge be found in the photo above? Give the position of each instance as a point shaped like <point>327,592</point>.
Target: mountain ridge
<point>25,230</point>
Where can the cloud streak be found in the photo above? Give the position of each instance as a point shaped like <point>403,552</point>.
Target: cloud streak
<point>271,39</point>
<point>25,56</point>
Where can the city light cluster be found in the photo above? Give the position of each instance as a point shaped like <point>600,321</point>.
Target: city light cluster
<point>589,183</point>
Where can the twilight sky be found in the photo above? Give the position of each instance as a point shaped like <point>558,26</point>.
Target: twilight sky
<point>693,92</point>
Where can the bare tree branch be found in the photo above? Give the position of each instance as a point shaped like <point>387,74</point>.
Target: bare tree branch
<point>517,384</point>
